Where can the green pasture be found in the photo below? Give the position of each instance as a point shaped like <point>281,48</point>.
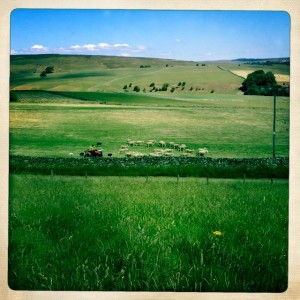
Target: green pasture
<point>155,234</point>
<point>199,79</point>
<point>111,74</point>
<point>56,125</point>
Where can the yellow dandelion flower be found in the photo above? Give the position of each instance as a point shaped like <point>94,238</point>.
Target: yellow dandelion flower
<point>217,233</point>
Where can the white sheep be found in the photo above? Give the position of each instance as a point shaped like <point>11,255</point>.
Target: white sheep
<point>150,143</point>
<point>201,151</point>
<point>189,150</point>
<point>154,154</point>
<point>182,147</point>
<point>123,150</point>
<point>162,144</point>
<point>186,154</point>
<point>131,143</point>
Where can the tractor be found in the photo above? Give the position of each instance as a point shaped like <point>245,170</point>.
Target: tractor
<point>92,153</point>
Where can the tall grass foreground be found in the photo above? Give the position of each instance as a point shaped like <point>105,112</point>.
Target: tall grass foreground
<point>147,234</point>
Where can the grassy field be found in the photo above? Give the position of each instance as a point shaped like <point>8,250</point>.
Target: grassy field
<point>132,234</point>
<point>84,102</point>
<point>228,126</point>
<point>110,74</point>
<point>123,233</point>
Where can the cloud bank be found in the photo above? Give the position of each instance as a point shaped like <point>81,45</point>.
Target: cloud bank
<point>121,49</point>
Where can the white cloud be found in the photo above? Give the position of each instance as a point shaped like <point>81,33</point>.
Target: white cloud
<point>75,47</point>
<point>39,49</point>
<point>103,45</point>
<point>122,49</point>
<point>121,46</point>
<point>90,47</point>
<point>177,40</point>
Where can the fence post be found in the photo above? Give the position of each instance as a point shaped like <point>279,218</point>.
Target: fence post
<point>177,177</point>
<point>244,178</point>
<point>52,174</point>
<point>207,178</point>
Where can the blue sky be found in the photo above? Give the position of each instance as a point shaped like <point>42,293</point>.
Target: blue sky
<point>184,35</point>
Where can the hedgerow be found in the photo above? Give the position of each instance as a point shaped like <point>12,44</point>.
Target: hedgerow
<point>154,166</point>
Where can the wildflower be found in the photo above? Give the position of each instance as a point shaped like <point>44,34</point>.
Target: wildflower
<point>217,233</point>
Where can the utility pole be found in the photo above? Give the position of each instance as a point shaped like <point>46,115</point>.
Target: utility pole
<point>274,123</point>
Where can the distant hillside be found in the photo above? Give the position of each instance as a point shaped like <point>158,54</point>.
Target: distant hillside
<point>65,63</point>
<point>116,74</point>
<point>265,61</point>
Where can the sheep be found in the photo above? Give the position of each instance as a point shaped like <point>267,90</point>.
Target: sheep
<point>134,154</point>
<point>171,144</point>
<point>169,150</point>
<point>139,143</point>
<point>186,154</point>
<point>131,143</point>
<point>168,154</point>
<point>182,147</point>
<point>189,150</point>
<point>128,154</point>
<point>98,144</point>
<point>71,154</point>
<point>201,151</point>
<point>156,150</point>
<point>176,146</point>
<point>150,144</point>
<point>154,154</point>
<point>137,154</point>
<point>162,144</point>
<point>123,150</point>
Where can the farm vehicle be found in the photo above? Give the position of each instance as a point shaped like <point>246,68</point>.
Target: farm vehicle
<point>92,153</point>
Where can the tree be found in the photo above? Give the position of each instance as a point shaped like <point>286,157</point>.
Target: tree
<point>13,96</point>
<point>43,74</point>
<point>49,69</point>
<point>136,89</point>
<point>165,87</point>
<point>259,83</point>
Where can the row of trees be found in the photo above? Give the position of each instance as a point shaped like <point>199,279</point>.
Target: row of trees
<point>162,88</point>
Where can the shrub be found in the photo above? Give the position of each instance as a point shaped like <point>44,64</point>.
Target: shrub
<point>13,96</point>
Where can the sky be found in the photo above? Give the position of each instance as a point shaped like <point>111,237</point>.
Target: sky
<point>171,34</point>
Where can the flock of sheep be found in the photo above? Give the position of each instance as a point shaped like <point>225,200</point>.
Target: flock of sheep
<point>164,149</point>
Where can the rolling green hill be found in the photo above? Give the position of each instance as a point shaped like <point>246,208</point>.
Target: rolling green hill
<point>108,73</point>
<point>101,73</point>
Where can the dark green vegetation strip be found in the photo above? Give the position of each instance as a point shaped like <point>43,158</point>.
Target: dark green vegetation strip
<point>154,166</point>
